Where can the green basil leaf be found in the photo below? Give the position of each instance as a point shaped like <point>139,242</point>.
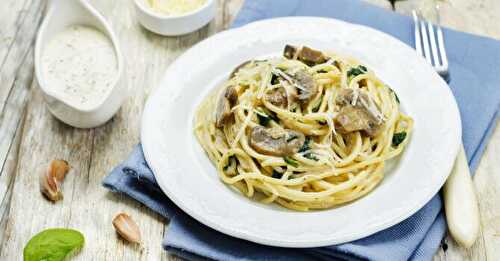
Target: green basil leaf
<point>53,244</point>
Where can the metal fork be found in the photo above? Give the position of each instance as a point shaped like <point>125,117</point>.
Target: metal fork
<point>460,200</point>
<point>433,51</point>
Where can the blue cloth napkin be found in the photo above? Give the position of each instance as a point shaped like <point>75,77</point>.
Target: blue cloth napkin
<point>474,63</point>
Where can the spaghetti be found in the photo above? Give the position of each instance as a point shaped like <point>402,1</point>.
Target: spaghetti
<point>309,130</point>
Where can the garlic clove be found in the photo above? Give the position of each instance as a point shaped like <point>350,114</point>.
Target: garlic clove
<point>59,168</point>
<point>127,228</point>
<point>51,179</point>
<point>49,187</point>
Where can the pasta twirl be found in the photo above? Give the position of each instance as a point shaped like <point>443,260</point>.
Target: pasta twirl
<point>310,130</point>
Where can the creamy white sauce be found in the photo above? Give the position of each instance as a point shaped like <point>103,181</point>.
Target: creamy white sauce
<point>80,66</point>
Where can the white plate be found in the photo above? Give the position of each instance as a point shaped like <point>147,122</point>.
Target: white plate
<point>186,175</point>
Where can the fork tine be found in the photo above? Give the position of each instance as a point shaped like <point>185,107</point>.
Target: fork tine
<point>425,42</point>
<point>432,40</point>
<point>418,39</point>
<point>444,59</point>
<point>440,41</point>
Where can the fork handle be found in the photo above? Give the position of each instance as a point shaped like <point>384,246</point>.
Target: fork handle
<point>460,203</point>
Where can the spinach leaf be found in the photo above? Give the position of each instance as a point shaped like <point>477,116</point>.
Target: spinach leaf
<point>306,147</point>
<point>53,245</point>
<point>276,174</point>
<point>398,138</point>
<point>263,120</point>
<point>266,116</point>
<point>274,79</point>
<point>316,106</point>
<point>310,156</point>
<point>291,162</point>
<point>274,117</point>
<point>355,71</point>
<point>395,94</point>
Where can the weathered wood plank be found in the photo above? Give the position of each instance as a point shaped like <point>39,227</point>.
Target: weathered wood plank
<point>16,73</point>
<point>19,20</point>
<point>487,184</point>
<point>478,17</point>
<point>7,176</point>
<point>10,122</point>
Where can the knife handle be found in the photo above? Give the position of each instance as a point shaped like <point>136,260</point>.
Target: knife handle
<point>460,202</point>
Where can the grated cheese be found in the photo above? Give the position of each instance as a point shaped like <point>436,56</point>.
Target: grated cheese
<point>175,7</point>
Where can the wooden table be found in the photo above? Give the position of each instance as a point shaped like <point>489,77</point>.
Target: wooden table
<point>30,137</point>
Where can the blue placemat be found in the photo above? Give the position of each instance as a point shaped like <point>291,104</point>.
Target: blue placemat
<point>474,63</point>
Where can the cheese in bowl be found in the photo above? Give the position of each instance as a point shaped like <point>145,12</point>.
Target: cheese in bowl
<point>174,7</point>
<point>174,17</point>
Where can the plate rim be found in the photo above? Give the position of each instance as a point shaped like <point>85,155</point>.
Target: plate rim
<point>320,243</point>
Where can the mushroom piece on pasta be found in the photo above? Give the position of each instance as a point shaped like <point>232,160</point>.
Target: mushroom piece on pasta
<point>305,54</point>
<point>358,112</point>
<point>276,141</point>
<point>223,113</point>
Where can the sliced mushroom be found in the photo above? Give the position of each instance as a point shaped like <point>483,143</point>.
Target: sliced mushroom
<point>311,57</point>
<point>305,54</point>
<point>276,141</point>
<point>277,97</point>
<point>302,80</point>
<point>223,113</point>
<point>290,51</point>
<point>345,97</point>
<point>306,81</point>
<point>358,112</point>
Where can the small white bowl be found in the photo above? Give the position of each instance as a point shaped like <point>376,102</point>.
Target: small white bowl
<point>174,25</point>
